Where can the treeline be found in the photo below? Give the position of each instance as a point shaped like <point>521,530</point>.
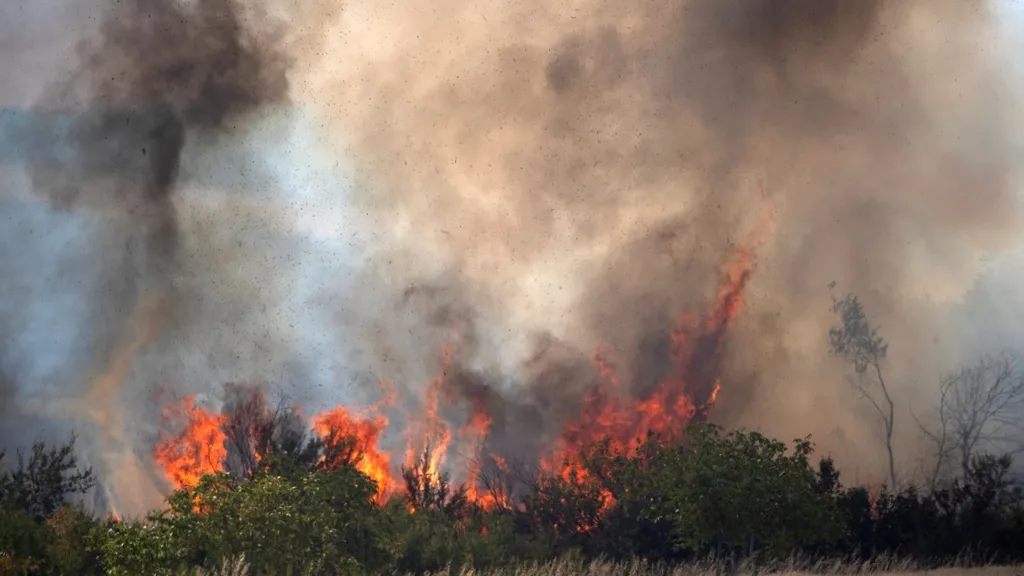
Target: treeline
<point>728,494</point>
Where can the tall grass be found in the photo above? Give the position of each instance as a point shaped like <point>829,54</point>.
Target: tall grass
<point>796,567</point>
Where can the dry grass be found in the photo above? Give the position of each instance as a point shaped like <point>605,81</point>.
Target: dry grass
<point>877,567</point>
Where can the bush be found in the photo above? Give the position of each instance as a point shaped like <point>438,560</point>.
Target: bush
<point>40,532</point>
<point>733,495</point>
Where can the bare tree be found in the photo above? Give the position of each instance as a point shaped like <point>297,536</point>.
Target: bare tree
<point>856,340</point>
<point>981,408</point>
<point>939,434</point>
<point>255,430</point>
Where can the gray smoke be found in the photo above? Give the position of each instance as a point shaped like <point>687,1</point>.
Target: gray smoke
<point>104,144</point>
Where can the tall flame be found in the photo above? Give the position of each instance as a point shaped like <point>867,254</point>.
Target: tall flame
<point>429,436</point>
<point>473,435</point>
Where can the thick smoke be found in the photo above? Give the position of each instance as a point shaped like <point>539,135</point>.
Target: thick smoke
<point>532,179</point>
<point>584,167</point>
<point>152,73</point>
<point>108,138</point>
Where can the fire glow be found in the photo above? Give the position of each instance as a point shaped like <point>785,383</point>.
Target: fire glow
<point>686,393</point>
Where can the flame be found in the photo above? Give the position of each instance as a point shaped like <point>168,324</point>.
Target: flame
<point>687,391</point>
<point>429,436</point>
<point>199,448</point>
<point>365,432</point>
<point>473,435</point>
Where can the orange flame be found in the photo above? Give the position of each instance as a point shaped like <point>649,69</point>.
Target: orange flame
<point>429,436</point>
<point>473,434</point>
<point>338,424</point>
<point>199,448</point>
<point>624,423</point>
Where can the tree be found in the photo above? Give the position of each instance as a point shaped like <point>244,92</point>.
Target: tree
<point>39,531</point>
<point>43,483</point>
<point>856,340</point>
<point>259,436</point>
<point>939,434</point>
<point>741,492</point>
<point>323,522</point>
<point>981,408</point>
<point>69,549</point>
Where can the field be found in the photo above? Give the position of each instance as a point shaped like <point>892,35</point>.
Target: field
<point>880,567</point>
<point>639,569</point>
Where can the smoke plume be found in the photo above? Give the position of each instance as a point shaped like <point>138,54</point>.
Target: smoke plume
<point>108,137</point>
<point>582,169</point>
<point>357,186</point>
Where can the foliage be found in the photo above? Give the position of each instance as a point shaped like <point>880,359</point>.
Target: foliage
<point>129,548</point>
<point>42,484</point>
<point>22,542</point>
<point>742,491</point>
<point>40,530</point>
<point>730,495</point>
<point>855,338</point>
<point>69,542</point>
<point>312,523</point>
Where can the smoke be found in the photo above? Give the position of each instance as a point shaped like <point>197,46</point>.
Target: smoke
<point>107,138</point>
<point>357,186</point>
<point>582,169</point>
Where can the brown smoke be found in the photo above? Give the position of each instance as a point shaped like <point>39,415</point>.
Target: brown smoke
<point>583,167</point>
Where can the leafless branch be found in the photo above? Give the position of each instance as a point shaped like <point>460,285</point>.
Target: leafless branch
<point>939,436</point>
<point>980,409</point>
<point>254,429</point>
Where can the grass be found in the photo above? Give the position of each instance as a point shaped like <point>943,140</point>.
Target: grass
<point>879,567</point>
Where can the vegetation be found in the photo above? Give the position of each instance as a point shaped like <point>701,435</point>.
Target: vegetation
<point>735,496</point>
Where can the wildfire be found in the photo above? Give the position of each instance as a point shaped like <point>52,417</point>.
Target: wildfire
<point>686,393</point>
<point>199,448</point>
<point>339,425</point>
<point>688,389</point>
<point>624,423</point>
<point>473,435</point>
<point>428,437</point>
